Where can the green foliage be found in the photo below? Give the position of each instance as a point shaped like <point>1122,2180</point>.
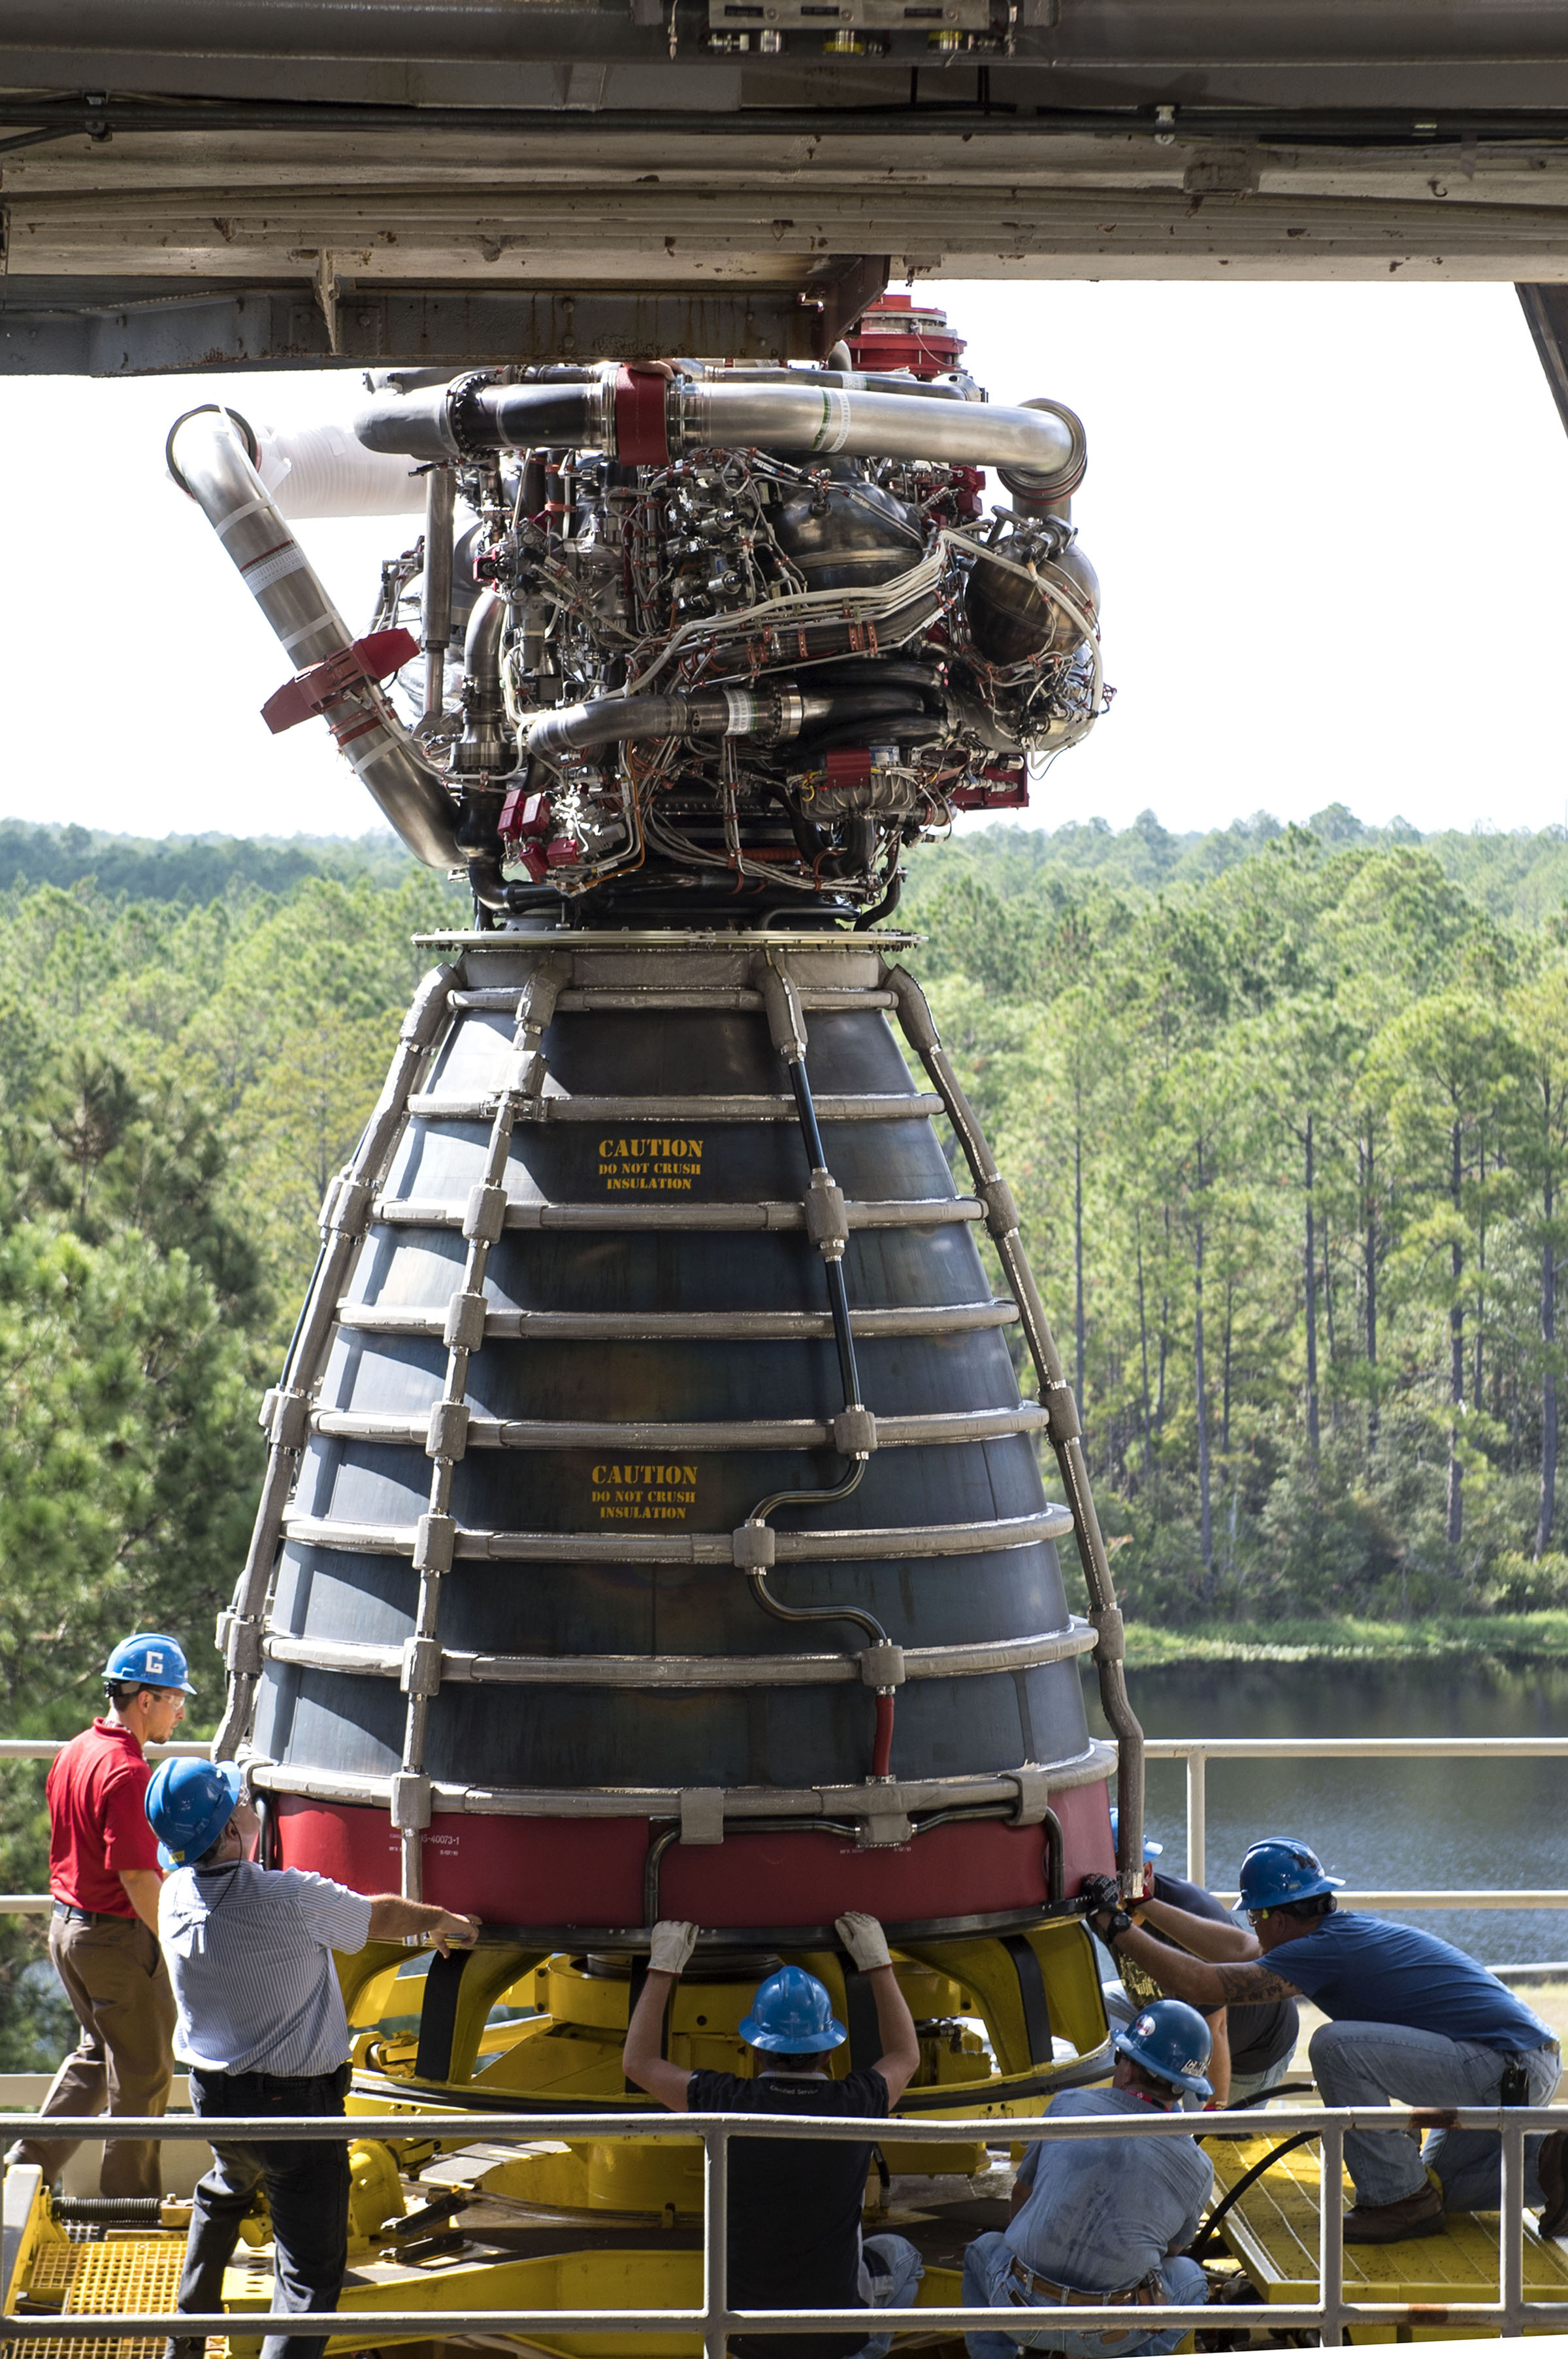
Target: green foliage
<point>1188,1050</point>
<point>177,1083</point>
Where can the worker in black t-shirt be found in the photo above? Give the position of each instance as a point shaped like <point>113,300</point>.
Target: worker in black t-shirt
<point>795,2237</point>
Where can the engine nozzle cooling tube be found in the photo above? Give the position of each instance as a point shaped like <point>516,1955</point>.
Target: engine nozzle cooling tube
<point>787,1025</point>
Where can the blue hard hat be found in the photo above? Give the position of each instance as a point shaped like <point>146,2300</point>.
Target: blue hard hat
<point>792,2014</point>
<point>189,1804</point>
<point>1151,1850</point>
<point>1172,2041</point>
<point>1281,1869</point>
<point>150,1659</point>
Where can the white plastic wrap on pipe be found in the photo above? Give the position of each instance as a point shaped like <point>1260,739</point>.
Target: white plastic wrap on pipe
<point>326,471</point>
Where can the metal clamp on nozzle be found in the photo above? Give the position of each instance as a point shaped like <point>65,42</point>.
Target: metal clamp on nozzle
<point>854,1432</point>
<point>755,1546</point>
<point>826,1216</point>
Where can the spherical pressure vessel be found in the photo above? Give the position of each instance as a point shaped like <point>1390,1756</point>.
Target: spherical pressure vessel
<point>522,1618</point>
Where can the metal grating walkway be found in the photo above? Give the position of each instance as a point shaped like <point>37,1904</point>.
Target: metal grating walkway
<point>128,2274</point>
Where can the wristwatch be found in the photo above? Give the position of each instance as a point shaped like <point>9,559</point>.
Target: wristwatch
<point>1120,1921</point>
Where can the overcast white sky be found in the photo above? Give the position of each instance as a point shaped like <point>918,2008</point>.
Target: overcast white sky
<point>1329,523</point>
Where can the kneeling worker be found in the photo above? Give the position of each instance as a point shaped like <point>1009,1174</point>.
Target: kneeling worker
<point>1411,2018</point>
<point>261,2024</point>
<point>1104,2220</point>
<point>794,2204</point>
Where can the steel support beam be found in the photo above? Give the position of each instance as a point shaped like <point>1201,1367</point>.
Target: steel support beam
<point>85,327</point>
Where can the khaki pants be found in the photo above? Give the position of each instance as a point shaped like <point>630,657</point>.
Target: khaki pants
<point>116,1979</point>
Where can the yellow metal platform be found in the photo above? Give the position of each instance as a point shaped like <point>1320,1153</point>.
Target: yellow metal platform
<point>1273,2232</point>
<point>129,2274</point>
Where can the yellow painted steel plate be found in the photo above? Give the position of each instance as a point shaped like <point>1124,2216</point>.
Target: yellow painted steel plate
<point>132,2275</point>
<point>1273,2232</point>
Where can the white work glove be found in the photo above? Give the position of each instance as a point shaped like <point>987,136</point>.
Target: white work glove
<point>864,1939</point>
<point>674,1941</point>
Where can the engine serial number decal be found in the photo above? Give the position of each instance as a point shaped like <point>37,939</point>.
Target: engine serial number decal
<point>644,1494</point>
<point>650,1166</point>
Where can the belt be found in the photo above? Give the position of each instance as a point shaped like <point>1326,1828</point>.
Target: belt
<point>337,2078</point>
<point>1144,2291</point>
<point>90,1916</point>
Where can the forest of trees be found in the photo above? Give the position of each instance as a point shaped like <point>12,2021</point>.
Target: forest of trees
<point>1291,1143</point>
<point>1286,1112</point>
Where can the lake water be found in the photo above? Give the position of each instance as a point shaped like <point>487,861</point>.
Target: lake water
<point>1381,1825</point>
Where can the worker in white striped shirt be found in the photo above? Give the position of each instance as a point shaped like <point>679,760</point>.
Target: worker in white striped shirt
<point>262,2027</point>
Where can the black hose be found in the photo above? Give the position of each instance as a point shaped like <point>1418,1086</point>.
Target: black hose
<point>886,728</point>
<point>1207,2240</point>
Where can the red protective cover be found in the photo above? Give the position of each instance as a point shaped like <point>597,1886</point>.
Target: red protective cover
<point>589,1872</point>
<point>642,438</point>
<point>375,657</point>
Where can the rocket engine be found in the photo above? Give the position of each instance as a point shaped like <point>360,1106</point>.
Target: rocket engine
<point>652,1524</point>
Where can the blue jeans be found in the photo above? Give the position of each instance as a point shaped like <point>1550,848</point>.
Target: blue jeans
<point>1252,2088</point>
<point>1368,2064</point>
<point>891,2271</point>
<point>989,2286</point>
<point>307,2188</point>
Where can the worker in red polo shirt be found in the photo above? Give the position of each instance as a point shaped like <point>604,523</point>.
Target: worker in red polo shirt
<point>104,1876</point>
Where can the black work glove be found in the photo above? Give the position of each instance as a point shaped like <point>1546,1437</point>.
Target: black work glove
<point>1100,1896</point>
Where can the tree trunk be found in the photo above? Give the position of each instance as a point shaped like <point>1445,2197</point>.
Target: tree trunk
<point>1547,1510</point>
<point>1206,1508</point>
<point>1369,1202</point>
<point>1078,1256</point>
<point>1478,1395</point>
<point>1164,1341</point>
<point>1224,1393</point>
<point>1456,1365</point>
<point>1311,1265</point>
<point>1328,1268</point>
<point>1143,1353</point>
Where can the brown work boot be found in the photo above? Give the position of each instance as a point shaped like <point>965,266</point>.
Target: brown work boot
<point>1551,2169</point>
<point>1419,2214</point>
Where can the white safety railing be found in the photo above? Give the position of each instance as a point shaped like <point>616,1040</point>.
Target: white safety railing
<point>714,2320</point>
<point>1197,1752</point>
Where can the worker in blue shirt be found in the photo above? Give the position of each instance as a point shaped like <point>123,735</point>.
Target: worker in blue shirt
<point>1104,2221</point>
<point>1411,2019</point>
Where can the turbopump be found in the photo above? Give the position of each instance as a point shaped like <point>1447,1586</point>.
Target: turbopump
<point>683,635</point>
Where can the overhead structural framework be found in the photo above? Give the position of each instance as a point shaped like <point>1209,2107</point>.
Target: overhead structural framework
<point>261,183</point>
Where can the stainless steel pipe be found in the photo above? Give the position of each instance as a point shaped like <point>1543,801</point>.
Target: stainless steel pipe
<point>209,461</point>
<point>642,417</point>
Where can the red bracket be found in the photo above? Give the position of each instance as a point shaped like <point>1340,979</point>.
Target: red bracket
<point>374,658</point>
